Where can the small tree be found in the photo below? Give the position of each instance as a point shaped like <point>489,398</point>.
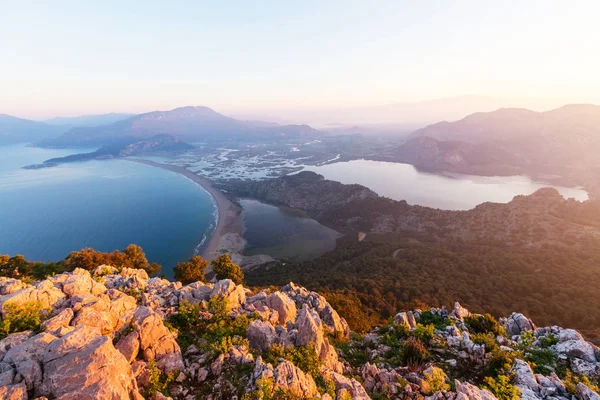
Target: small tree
<point>191,271</point>
<point>225,269</point>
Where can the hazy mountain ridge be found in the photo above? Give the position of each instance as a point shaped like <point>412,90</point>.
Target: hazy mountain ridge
<point>191,124</point>
<point>18,130</point>
<point>88,120</point>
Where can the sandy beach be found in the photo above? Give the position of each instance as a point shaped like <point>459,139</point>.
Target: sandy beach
<point>228,234</point>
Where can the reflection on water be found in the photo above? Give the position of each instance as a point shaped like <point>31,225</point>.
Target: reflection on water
<point>451,191</point>
<point>284,233</point>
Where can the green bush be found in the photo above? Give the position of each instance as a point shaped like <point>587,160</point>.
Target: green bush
<point>423,332</point>
<point>224,268</point>
<point>191,271</point>
<point>501,363</point>
<point>429,318</point>
<point>157,381</point>
<point>436,380</point>
<point>488,340</point>
<point>415,350</point>
<point>303,357</point>
<point>502,388</point>
<point>22,317</point>
<point>543,360</point>
<point>484,324</point>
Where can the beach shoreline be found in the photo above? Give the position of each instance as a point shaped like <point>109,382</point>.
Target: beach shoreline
<point>227,236</point>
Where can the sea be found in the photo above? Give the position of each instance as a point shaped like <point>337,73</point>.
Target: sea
<point>47,213</point>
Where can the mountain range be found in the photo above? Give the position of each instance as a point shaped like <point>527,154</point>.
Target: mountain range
<point>191,124</point>
<point>88,120</point>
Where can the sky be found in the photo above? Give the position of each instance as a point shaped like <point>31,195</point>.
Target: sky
<point>71,57</point>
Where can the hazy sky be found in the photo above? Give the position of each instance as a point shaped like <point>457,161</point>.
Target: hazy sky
<point>72,57</point>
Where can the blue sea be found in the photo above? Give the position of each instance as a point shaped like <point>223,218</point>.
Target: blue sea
<point>47,213</point>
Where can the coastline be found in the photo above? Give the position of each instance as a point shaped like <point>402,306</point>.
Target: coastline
<point>227,236</point>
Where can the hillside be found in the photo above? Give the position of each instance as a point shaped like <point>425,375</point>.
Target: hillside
<point>17,130</point>
<point>118,334</point>
<point>542,218</point>
<point>560,144</point>
<point>191,124</point>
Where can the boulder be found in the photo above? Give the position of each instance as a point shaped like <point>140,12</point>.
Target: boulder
<point>85,364</point>
<point>466,391</point>
<point>80,282</point>
<point>349,385</point>
<point>285,307</point>
<point>196,292</point>
<point>156,341</point>
<point>44,293</point>
<point>261,334</point>
<point>405,318</point>
<point>61,320</point>
<point>585,393</point>
<point>129,346</point>
<point>517,323</point>
<point>13,340</point>
<point>232,293</point>
<point>14,392</point>
<point>30,349</point>
<point>287,376</point>
<point>459,312</point>
<point>571,343</point>
<point>10,285</point>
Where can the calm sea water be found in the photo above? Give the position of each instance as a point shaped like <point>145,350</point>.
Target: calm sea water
<point>284,233</point>
<point>450,191</point>
<point>47,213</point>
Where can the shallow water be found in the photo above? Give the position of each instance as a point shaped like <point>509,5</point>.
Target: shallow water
<point>449,191</point>
<point>47,213</point>
<point>284,233</point>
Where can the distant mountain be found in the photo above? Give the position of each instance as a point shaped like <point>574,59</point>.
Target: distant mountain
<point>560,145</point>
<point>18,130</point>
<point>153,145</point>
<point>402,116</point>
<point>191,124</point>
<point>88,120</point>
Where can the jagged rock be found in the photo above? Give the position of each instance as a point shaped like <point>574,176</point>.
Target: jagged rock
<point>287,376</point>
<point>103,270</point>
<point>30,349</point>
<point>156,341</point>
<point>350,385</point>
<point>582,367</point>
<point>585,393</point>
<point>310,333</point>
<point>459,312</point>
<point>517,323</point>
<point>13,340</point>
<point>196,292</point>
<point>61,320</point>
<point>525,380</point>
<point>129,346</point>
<point>285,307</point>
<point>466,391</point>
<point>10,285</point>
<point>405,318</point>
<point>571,343</point>
<point>80,282</point>
<point>13,392</point>
<point>85,364</point>
<point>226,289</point>
<point>261,334</point>
<point>43,292</point>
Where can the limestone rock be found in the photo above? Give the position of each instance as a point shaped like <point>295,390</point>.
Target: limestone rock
<point>80,282</point>
<point>13,340</point>
<point>30,349</point>
<point>196,292</point>
<point>156,341</point>
<point>350,385</point>
<point>43,292</point>
<point>585,393</point>
<point>13,392</point>
<point>226,289</point>
<point>84,364</point>
<point>129,346</point>
<point>459,312</point>
<point>517,323</point>
<point>10,285</point>
<point>285,307</point>
<point>59,321</point>
<point>289,377</point>
<point>571,343</point>
<point>261,334</point>
<point>405,318</point>
<point>466,391</point>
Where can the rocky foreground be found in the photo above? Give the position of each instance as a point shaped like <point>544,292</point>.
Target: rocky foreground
<point>111,334</point>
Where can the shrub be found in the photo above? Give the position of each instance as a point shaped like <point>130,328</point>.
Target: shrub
<point>22,317</point>
<point>543,360</point>
<point>157,381</point>
<point>393,334</point>
<point>488,340</point>
<point>225,269</point>
<point>423,332</point>
<point>502,388</point>
<point>501,363</point>
<point>547,341</point>
<point>436,379</point>
<point>191,271</point>
<point>571,380</point>
<point>484,324</point>
<point>187,316</point>
<point>305,358</point>
<point>429,318</point>
<point>415,350</point>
